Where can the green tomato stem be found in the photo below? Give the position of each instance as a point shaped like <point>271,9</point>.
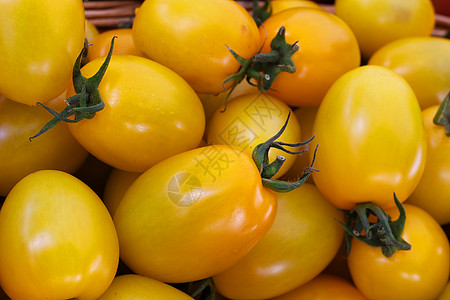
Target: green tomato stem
<point>442,116</point>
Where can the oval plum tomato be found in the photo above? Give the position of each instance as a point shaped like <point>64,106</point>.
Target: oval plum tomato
<point>58,239</point>
<point>191,38</point>
<point>90,31</point>
<point>280,5</point>
<point>328,49</point>
<point>19,157</point>
<point>39,43</point>
<point>300,244</point>
<point>150,114</point>
<point>324,286</point>
<point>124,43</point>
<point>428,76</point>
<point>420,273</point>
<point>252,119</point>
<point>371,139</point>
<point>137,287</point>
<point>378,22</point>
<point>116,186</point>
<point>433,191</point>
<point>201,210</point>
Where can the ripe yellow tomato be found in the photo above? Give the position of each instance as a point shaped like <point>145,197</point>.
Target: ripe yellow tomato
<point>116,186</point>
<point>445,294</point>
<point>328,49</point>
<point>137,287</point>
<point>324,286</point>
<point>378,22</point>
<point>190,37</point>
<point>39,43</point>
<point>371,139</point>
<point>124,43</point>
<point>252,119</point>
<point>423,62</point>
<point>19,157</point>
<point>419,273</point>
<point>58,239</point>
<point>150,114</point>
<point>194,214</point>
<point>432,192</point>
<point>90,31</point>
<point>280,5</point>
<point>300,244</point>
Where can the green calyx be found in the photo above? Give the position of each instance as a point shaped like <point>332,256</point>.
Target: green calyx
<point>265,67</point>
<point>383,233</point>
<point>269,169</point>
<point>87,101</point>
<point>442,116</point>
<point>260,13</point>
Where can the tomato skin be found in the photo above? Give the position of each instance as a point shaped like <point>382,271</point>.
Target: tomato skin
<point>428,76</point>
<point>39,42</point>
<point>150,114</point>
<point>291,253</point>
<point>137,287</point>
<point>419,273</point>
<point>116,186</point>
<point>432,192</point>
<point>90,30</point>
<point>193,212</point>
<point>58,239</point>
<point>328,49</point>
<point>280,5</point>
<point>19,157</point>
<point>191,37</point>
<point>324,286</point>
<point>252,119</point>
<point>373,21</point>
<point>371,139</point>
<point>124,43</point>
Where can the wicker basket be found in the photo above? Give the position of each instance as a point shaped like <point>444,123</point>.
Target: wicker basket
<point>116,14</point>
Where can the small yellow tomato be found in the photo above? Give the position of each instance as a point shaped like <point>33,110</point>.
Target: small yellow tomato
<point>124,43</point>
<point>116,186</point>
<point>280,5</point>
<point>424,63</point>
<point>91,31</point>
<point>138,287</point>
<point>378,22</point>
<point>58,239</point>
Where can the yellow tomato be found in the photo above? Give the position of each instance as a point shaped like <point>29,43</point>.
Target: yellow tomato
<point>280,5</point>
<point>423,62</point>
<point>91,31</point>
<point>58,239</point>
<point>371,139</point>
<point>328,49</point>
<point>116,186</point>
<point>419,273</point>
<point>39,43</point>
<point>191,38</point>
<point>323,287</point>
<point>124,43</point>
<point>378,22</point>
<point>19,157</point>
<point>137,287</point>
<point>433,191</point>
<point>300,244</point>
<point>252,119</point>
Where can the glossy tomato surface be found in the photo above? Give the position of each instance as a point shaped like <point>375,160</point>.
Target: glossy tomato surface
<point>423,62</point>
<point>194,214</point>
<point>150,114</point>
<point>124,43</point>
<point>324,286</point>
<point>433,191</point>
<point>378,22</point>
<point>371,139</point>
<point>328,49</point>
<point>419,273</point>
<point>39,42</point>
<point>58,149</point>
<point>58,239</point>
<point>301,243</point>
<point>137,287</point>
<point>191,38</point>
<point>252,119</point>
